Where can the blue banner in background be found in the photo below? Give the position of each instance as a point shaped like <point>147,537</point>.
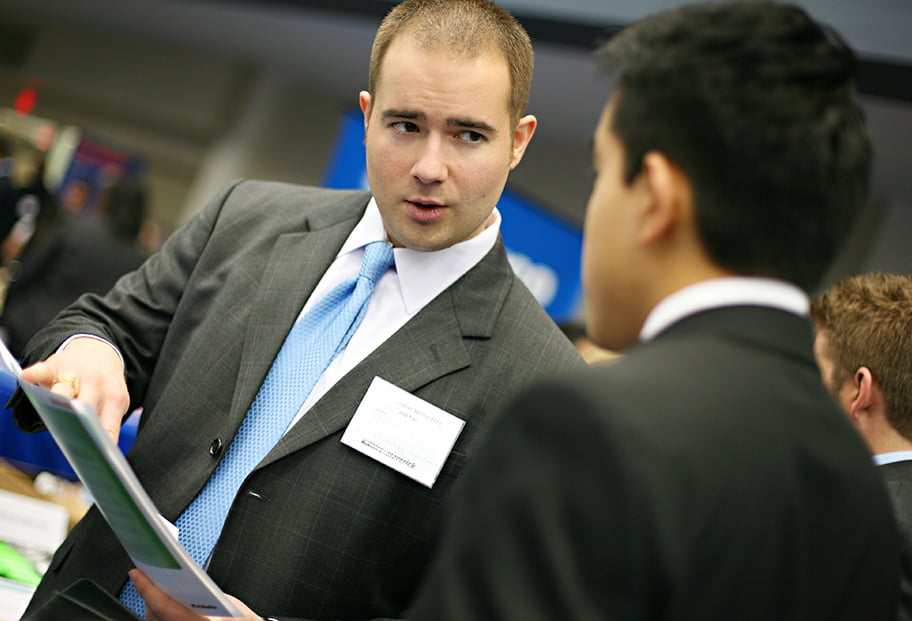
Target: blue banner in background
<point>543,250</point>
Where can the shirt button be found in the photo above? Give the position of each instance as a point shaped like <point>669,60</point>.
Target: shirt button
<point>215,449</point>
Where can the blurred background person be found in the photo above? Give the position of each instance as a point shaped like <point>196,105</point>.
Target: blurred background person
<point>27,208</point>
<point>6,156</point>
<point>75,196</point>
<point>8,191</point>
<point>78,254</point>
<point>864,350</point>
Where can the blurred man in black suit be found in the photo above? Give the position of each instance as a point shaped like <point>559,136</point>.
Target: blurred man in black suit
<point>707,474</point>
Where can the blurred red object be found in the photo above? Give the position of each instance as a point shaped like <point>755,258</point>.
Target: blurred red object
<point>27,97</point>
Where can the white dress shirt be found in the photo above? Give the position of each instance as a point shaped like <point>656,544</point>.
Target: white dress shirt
<point>722,292</point>
<point>418,278</point>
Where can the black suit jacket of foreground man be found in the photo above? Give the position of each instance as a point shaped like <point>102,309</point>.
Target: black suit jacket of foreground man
<point>642,490</point>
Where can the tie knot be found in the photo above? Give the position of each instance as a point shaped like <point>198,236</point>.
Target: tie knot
<point>378,257</point>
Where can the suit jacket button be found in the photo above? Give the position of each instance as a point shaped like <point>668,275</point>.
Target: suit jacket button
<point>215,449</point>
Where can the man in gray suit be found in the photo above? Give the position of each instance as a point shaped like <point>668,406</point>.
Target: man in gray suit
<point>319,530</point>
<point>864,350</point>
<point>707,474</point>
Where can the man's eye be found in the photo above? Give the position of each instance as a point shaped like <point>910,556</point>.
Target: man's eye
<point>470,136</point>
<point>405,127</point>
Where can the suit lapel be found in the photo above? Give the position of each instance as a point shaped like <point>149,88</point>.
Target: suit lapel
<point>427,347</point>
<point>297,263</point>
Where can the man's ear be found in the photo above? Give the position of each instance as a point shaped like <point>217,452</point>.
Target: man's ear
<point>522,136</point>
<point>364,101</point>
<point>864,394</point>
<point>669,194</point>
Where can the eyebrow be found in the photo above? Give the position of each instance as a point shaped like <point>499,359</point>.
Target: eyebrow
<point>453,122</point>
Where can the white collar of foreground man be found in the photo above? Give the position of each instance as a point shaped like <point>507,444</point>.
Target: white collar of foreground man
<point>720,293</point>
<point>891,458</point>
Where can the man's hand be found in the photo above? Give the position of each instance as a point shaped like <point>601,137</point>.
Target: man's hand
<point>161,607</point>
<point>91,371</point>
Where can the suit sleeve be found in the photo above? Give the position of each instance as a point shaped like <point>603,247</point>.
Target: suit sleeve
<point>543,527</point>
<point>135,314</point>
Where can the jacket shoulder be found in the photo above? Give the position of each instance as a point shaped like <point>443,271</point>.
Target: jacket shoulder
<point>277,195</point>
<point>527,329</point>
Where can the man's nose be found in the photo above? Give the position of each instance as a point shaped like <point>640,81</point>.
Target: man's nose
<point>430,166</point>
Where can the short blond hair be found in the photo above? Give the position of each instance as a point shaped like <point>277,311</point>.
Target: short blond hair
<point>467,28</point>
<point>867,321</point>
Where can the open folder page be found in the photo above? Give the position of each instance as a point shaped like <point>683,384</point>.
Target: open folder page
<point>102,468</point>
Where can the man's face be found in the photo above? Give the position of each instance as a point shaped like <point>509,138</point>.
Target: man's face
<point>609,264</point>
<point>439,143</point>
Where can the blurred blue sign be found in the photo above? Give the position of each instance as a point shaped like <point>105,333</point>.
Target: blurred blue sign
<point>543,250</point>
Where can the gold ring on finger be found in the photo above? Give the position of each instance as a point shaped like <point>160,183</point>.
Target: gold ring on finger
<point>70,380</point>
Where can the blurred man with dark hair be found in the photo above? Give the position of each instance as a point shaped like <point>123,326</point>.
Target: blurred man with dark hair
<point>864,349</point>
<point>707,474</point>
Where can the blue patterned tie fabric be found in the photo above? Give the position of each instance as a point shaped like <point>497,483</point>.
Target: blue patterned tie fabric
<point>309,348</point>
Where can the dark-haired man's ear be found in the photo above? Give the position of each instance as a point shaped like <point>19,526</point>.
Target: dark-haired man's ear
<point>670,198</point>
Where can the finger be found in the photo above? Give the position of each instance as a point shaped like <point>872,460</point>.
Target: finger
<point>244,608</point>
<point>111,419</point>
<point>147,590</point>
<point>63,390</point>
<point>110,408</point>
<point>159,605</point>
<point>66,384</point>
<point>40,373</point>
<point>141,582</point>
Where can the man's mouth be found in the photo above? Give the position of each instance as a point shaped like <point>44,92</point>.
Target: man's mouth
<point>424,211</point>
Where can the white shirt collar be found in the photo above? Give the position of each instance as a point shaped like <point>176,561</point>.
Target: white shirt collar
<point>369,229</point>
<point>423,275</point>
<point>890,458</point>
<point>722,292</point>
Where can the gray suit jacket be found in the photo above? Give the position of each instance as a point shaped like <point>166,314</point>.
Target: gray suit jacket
<point>317,530</point>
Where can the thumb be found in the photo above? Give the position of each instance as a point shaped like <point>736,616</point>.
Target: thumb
<point>111,420</point>
<point>41,373</point>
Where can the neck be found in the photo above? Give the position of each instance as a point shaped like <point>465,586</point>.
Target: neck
<point>887,441</point>
<point>674,280</point>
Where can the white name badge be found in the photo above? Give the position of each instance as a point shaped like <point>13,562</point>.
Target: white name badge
<point>402,431</point>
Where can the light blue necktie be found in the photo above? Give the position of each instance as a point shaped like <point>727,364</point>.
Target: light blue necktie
<point>308,349</point>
